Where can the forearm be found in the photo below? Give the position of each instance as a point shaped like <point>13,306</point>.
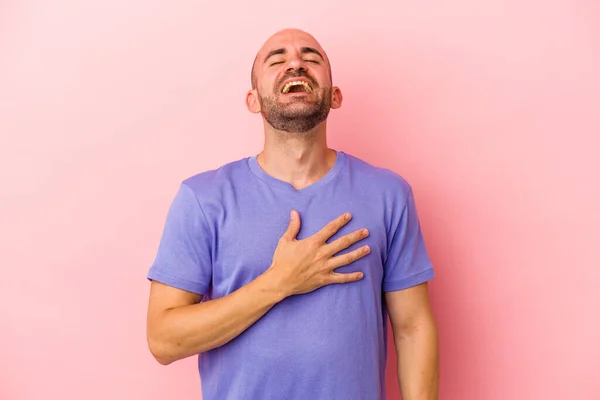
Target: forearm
<point>418,362</point>
<point>192,329</point>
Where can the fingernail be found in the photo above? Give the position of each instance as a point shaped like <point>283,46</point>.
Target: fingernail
<point>292,215</point>
<point>367,249</point>
<point>347,216</point>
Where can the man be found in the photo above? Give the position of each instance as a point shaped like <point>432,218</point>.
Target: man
<point>279,270</point>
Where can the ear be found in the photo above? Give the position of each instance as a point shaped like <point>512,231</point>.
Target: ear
<point>336,97</point>
<point>252,101</point>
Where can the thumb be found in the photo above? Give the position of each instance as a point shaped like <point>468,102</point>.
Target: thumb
<point>293,227</point>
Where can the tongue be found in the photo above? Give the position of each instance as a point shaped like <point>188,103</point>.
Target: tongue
<point>296,89</point>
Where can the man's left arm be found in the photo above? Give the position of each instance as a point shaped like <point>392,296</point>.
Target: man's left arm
<point>416,342</point>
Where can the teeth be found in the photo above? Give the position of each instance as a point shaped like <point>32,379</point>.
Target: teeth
<point>287,87</point>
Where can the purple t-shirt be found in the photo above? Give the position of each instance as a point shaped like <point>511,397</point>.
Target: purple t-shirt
<point>221,231</point>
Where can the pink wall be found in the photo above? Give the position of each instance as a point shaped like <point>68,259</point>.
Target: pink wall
<point>489,108</point>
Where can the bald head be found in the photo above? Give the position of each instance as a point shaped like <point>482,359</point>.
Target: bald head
<point>284,42</point>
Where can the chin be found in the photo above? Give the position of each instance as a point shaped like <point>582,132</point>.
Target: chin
<point>303,112</point>
<point>298,102</point>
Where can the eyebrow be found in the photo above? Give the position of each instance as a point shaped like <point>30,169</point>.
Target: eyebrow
<point>303,50</point>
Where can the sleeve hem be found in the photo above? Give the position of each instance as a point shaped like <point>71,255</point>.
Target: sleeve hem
<point>409,282</point>
<point>179,283</point>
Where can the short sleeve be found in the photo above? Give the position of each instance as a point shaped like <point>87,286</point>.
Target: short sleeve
<point>407,262</point>
<point>183,259</point>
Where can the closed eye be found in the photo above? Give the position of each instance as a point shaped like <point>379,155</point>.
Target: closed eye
<point>281,62</point>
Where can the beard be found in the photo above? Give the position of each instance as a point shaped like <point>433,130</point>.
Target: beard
<point>299,115</point>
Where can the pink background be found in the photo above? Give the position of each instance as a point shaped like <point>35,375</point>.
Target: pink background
<point>489,108</point>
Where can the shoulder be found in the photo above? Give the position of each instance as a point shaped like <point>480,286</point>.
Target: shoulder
<point>379,179</point>
<point>212,181</point>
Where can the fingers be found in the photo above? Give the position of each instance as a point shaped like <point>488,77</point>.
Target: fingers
<point>293,226</point>
<point>345,241</point>
<point>332,227</point>
<point>347,258</point>
<point>345,278</point>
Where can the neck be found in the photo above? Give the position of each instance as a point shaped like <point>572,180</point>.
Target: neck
<point>297,158</point>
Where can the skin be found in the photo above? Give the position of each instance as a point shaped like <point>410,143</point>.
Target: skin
<point>300,158</point>
<point>295,151</point>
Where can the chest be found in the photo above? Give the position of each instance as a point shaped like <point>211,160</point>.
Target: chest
<point>248,233</point>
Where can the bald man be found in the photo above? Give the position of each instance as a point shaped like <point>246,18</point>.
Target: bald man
<point>279,270</point>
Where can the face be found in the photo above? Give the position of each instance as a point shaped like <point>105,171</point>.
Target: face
<point>292,77</point>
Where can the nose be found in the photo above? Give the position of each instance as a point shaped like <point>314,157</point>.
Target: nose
<point>296,63</point>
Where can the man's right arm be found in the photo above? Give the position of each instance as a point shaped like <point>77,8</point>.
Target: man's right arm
<point>179,325</point>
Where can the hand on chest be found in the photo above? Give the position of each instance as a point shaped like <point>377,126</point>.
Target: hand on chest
<point>247,238</point>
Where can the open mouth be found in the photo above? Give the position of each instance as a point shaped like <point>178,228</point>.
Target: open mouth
<point>297,87</point>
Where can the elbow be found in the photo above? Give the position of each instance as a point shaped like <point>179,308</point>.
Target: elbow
<point>416,328</point>
<point>163,359</point>
<point>160,352</point>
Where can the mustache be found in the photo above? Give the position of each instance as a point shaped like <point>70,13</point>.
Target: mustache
<point>298,74</point>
